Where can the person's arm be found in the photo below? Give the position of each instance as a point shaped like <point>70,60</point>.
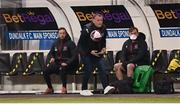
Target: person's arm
<point>51,53</point>
<point>104,39</point>
<point>74,53</point>
<point>123,54</point>
<point>141,52</point>
<point>82,43</point>
<point>103,50</point>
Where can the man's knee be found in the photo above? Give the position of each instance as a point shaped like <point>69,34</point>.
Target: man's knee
<point>47,70</point>
<point>130,70</point>
<point>88,68</point>
<point>130,66</point>
<point>118,66</point>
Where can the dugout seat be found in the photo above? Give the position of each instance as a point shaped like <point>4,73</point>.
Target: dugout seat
<point>4,63</point>
<point>118,57</point>
<point>35,64</point>
<point>109,61</point>
<point>19,63</point>
<point>159,60</point>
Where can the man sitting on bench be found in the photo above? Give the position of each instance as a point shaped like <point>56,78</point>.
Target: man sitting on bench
<point>134,52</point>
<point>63,60</point>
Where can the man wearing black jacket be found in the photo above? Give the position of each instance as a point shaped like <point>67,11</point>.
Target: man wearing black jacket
<point>92,44</point>
<point>63,60</point>
<point>134,52</point>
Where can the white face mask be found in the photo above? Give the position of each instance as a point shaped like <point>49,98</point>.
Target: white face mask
<point>133,37</point>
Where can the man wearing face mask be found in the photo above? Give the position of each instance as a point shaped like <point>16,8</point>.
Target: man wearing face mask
<point>92,44</point>
<point>134,52</point>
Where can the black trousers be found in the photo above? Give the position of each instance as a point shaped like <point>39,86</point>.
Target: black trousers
<point>55,69</point>
<point>89,63</point>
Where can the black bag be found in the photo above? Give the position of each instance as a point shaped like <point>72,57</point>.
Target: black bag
<point>122,86</point>
<point>163,84</point>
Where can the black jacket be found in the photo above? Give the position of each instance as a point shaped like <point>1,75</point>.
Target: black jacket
<point>135,52</point>
<point>64,51</point>
<point>86,44</point>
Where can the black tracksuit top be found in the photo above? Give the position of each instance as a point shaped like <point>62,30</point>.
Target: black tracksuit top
<point>86,44</point>
<point>64,51</point>
<point>135,52</point>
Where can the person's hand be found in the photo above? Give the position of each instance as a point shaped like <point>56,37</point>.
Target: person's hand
<point>100,53</point>
<point>52,60</point>
<point>103,51</point>
<point>64,64</point>
<point>94,52</point>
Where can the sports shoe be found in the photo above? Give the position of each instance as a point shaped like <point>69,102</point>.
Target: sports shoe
<point>109,90</point>
<point>63,90</point>
<point>86,93</point>
<point>49,91</point>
